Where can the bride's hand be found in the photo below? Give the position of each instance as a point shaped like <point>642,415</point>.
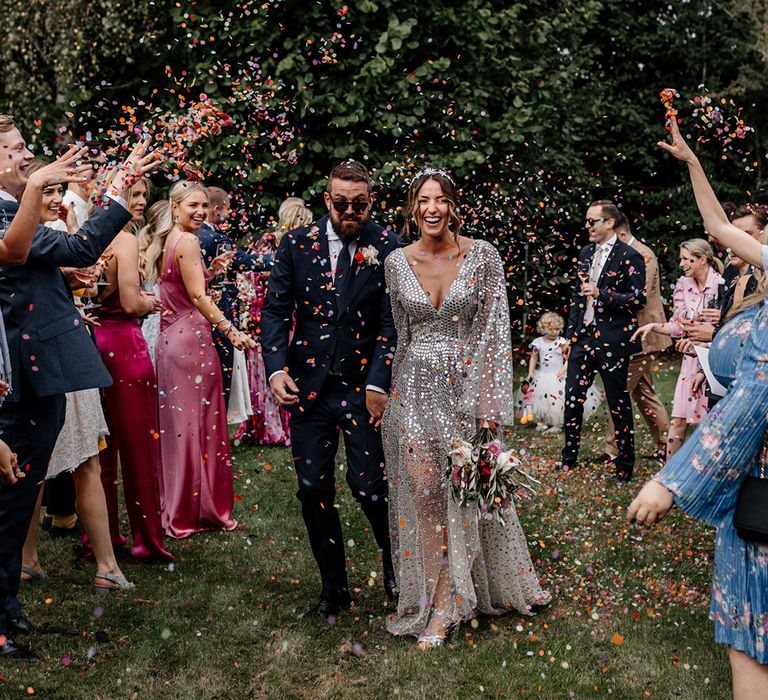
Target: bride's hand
<point>651,504</point>
<point>678,148</point>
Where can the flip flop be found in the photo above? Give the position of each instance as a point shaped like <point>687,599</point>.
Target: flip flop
<point>34,576</point>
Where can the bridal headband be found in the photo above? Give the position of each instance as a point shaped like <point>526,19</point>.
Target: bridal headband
<point>432,171</point>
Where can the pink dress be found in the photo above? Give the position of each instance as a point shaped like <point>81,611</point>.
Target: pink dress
<point>269,424</point>
<point>197,489</point>
<point>689,300</point>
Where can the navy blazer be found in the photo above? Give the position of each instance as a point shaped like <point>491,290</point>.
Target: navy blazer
<point>47,339</point>
<point>210,241</point>
<point>622,295</point>
<point>301,284</point>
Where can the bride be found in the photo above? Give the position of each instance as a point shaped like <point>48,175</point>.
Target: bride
<point>452,372</point>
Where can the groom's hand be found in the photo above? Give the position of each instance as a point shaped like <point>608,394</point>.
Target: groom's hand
<point>375,403</point>
<point>283,389</point>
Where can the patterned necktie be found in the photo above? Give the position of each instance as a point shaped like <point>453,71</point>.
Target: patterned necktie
<point>594,276</point>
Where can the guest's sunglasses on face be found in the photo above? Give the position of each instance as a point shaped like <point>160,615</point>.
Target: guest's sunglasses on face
<point>592,222</point>
<point>342,205</point>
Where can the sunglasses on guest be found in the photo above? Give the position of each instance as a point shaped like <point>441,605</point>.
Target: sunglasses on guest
<point>342,205</point>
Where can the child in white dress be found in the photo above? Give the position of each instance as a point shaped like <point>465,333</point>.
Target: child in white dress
<point>546,374</point>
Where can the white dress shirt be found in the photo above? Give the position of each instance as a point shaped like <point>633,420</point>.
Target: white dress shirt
<point>335,244</point>
<point>602,251</point>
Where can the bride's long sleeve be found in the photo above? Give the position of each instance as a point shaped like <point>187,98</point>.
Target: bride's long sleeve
<point>487,391</point>
<point>402,326</point>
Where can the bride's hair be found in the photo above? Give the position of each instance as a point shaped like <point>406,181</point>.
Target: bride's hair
<point>152,257</point>
<point>450,192</point>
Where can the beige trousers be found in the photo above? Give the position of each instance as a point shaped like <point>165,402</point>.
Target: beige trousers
<point>640,388</point>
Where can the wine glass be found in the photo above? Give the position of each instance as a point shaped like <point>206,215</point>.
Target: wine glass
<point>582,270</point>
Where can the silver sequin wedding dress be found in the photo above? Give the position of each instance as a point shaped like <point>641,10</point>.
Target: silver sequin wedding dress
<point>452,369</point>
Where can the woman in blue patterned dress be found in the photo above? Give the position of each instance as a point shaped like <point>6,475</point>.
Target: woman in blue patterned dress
<point>704,476</point>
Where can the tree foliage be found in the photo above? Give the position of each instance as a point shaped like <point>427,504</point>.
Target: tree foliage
<point>536,107</point>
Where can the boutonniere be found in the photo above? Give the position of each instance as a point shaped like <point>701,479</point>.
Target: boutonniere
<point>368,256</point>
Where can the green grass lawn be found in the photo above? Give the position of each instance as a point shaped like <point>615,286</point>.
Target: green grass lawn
<point>628,620</point>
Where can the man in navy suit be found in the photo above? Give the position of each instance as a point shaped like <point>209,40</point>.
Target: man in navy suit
<point>601,322</point>
<point>50,352</point>
<point>214,242</point>
<point>335,373</point>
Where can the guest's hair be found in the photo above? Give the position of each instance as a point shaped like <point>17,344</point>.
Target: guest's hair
<point>608,210</point>
<point>761,290</point>
<point>217,197</point>
<point>34,165</point>
<point>621,224</point>
<point>146,235</point>
<point>153,258</point>
<point>293,213</point>
<point>6,123</point>
<point>351,171</point>
<point>450,192</point>
<point>758,211</point>
<point>700,248</point>
<point>550,320</point>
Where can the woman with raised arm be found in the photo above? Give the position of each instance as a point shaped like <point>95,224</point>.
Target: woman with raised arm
<point>198,492</point>
<point>704,477</point>
<point>77,452</point>
<point>452,373</point>
<point>131,401</point>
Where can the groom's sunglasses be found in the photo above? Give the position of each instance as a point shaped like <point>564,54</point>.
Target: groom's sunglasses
<point>592,222</point>
<point>342,205</point>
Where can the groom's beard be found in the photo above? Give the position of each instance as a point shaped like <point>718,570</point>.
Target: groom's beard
<point>348,226</point>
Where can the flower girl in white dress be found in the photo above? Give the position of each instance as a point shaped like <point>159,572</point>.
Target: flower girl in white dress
<point>546,374</point>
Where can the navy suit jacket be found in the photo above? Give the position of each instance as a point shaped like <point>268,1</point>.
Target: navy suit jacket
<point>622,295</point>
<point>47,339</point>
<point>301,284</point>
<point>210,242</point>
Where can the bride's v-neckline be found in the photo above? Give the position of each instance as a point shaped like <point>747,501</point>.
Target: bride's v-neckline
<point>438,309</point>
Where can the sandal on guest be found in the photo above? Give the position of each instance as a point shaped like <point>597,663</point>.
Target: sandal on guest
<point>34,576</point>
<point>113,583</point>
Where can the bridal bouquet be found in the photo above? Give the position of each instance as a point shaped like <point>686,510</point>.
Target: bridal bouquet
<point>481,471</point>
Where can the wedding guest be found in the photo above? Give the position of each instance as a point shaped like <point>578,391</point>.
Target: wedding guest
<point>197,488</point>
<point>697,289</point>
<point>328,285</point>
<point>452,373</point>
<point>602,318</point>
<point>150,325</point>
<point>705,476</point>
<point>77,453</point>
<point>214,241</point>
<point>640,372</point>
<point>131,402</point>
<point>42,323</point>
<point>269,424</point>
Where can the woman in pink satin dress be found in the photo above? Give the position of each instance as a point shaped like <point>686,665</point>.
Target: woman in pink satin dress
<point>131,402</point>
<point>197,488</point>
<point>269,424</point>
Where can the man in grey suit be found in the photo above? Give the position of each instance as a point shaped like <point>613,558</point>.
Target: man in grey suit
<point>50,352</point>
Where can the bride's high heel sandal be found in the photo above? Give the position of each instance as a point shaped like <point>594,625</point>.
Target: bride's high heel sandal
<point>104,584</point>
<point>431,640</point>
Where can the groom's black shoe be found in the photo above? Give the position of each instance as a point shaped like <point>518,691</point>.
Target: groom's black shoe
<point>390,585</point>
<point>11,650</point>
<point>326,607</point>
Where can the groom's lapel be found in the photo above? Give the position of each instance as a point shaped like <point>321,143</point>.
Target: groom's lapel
<point>360,272</point>
<point>319,258</point>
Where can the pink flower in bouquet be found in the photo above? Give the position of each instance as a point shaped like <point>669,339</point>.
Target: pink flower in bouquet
<point>494,447</point>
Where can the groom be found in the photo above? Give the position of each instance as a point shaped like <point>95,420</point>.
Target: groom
<point>334,372</point>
